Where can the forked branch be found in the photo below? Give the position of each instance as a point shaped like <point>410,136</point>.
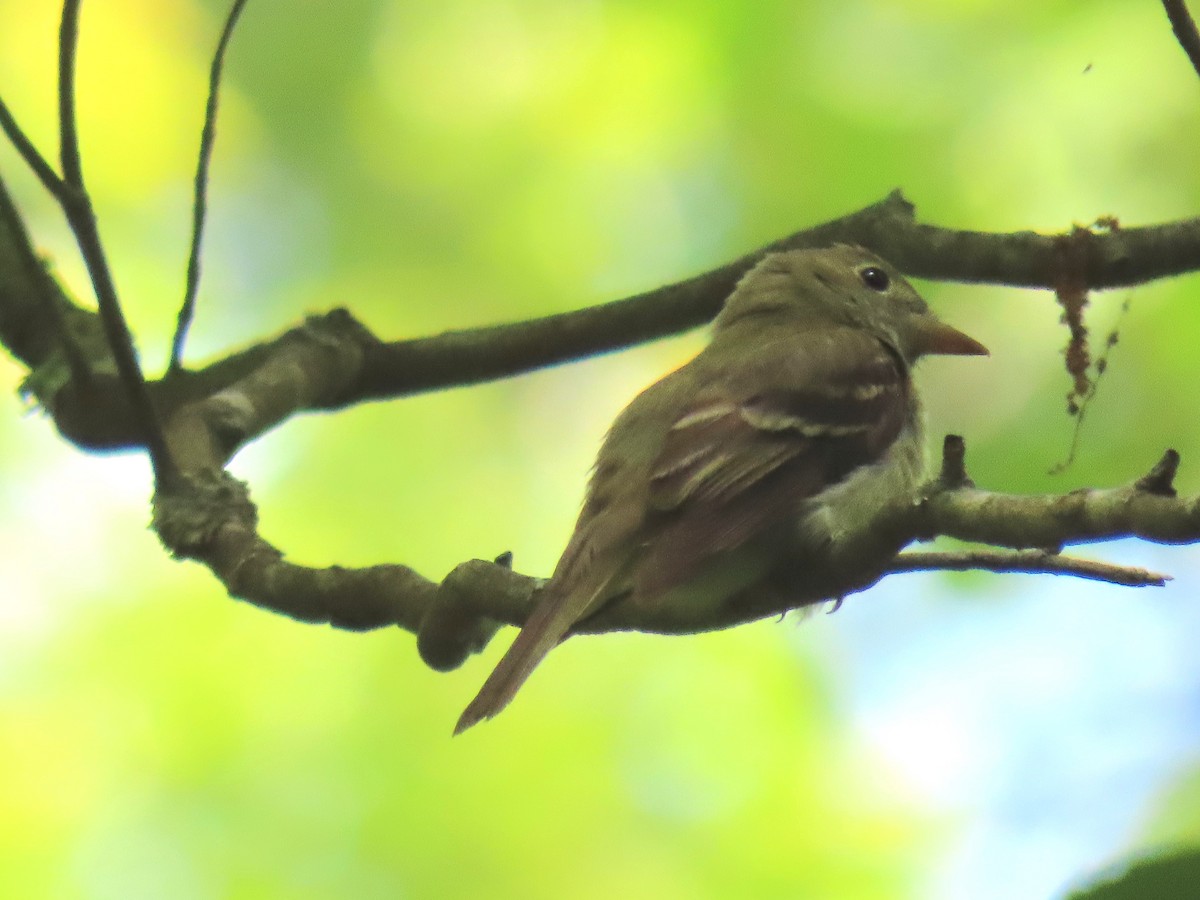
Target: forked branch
<point>191,423</point>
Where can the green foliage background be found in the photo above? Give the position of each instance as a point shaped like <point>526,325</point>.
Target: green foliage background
<point>436,165</point>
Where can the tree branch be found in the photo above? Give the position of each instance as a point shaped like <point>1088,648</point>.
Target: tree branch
<point>200,203</point>
<point>68,140</point>
<point>401,368</point>
<point>1145,509</point>
<point>1108,259</point>
<point>27,323</point>
<point>332,362</point>
<point>29,153</point>
<point>1185,30</point>
<point>77,206</point>
<point>1028,562</point>
<point>457,617</point>
<point>193,422</point>
<point>209,517</point>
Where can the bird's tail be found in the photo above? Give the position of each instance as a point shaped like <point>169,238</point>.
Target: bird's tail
<point>546,626</point>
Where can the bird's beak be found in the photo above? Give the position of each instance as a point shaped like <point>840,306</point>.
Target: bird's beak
<point>932,336</point>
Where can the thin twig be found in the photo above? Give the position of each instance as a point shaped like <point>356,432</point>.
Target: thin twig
<point>1031,562</point>
<point>68,148</point>
<point>200,204</point>
<point>24,146</point>
<point>77,207</point>
<point>1185,30</point>
<point>45,289</point>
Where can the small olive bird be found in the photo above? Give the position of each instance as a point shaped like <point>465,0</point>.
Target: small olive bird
<point>734,477</point>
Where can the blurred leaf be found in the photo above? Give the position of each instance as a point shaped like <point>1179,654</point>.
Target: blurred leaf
<point>438,165</point>
<point>1171,876</point>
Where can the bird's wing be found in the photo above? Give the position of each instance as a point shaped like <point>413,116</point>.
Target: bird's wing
<point>765,434</point>
<point>596,563</point>
<point>731,456</point>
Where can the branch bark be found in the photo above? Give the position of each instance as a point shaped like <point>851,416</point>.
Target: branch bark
<point>392,369</point>
<point>455,618</point>
<point>1185,30</point>
<point>332,361</point>
<point>1026,562</point>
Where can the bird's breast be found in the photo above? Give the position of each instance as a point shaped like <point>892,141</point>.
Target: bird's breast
<point>850,507</point>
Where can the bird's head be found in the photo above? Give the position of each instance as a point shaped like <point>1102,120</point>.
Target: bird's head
<point>842,286</point>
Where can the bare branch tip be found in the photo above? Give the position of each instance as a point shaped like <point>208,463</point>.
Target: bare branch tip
<point>1184,27</point>
<point>897,203</point>
<point>954,468</point>
<point>1029,562</point>
<point>1161,479</point>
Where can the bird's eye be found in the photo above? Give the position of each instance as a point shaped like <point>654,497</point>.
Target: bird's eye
<point>875,278</point>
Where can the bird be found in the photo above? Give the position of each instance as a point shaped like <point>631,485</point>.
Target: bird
<point>730,482</point>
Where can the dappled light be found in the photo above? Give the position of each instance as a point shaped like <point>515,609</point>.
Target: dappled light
<point>433,167</point>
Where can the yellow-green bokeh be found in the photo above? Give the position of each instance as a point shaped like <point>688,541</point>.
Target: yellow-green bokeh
<point>436,165</point>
